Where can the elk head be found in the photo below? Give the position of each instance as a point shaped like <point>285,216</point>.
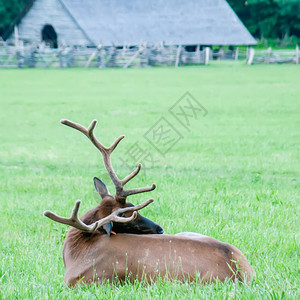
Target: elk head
<point>113,214</point>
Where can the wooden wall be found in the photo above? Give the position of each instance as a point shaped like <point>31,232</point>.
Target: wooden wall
<point>50,12</point>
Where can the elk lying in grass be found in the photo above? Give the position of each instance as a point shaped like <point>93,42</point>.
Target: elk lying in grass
<point>113,240</point>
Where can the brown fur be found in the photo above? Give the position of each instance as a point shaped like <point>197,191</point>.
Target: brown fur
<point>96,257</point>
<point>149,256</point>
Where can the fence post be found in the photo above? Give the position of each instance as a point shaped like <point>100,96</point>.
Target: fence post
<point>236,57</point>
<point>144,56</point>
<point>93,55</point>
<point>139,52</point>
<point>60,56</point>
<point>18,52</point>
<point>19,59</point>
<point>206,55</point>
<point>69,57</point>
<point>101,58</point>
<point>31,59</point>
<point>178,56</point>
<point>16,33</point>
<point>297,54</point>
<point>198,54</point>
<point>112,57</point>
<point>251,56</point>
<point>269,51</point>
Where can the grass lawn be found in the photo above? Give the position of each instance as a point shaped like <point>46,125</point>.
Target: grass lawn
<point>234,175</point>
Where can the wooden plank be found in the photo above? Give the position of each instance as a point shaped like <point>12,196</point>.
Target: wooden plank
<point>6,63</point>
<point>140,50</point>
<point>93,55</point>
<point>90,59</point>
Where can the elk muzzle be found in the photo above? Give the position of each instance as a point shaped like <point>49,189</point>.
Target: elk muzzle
<point>140,225</point>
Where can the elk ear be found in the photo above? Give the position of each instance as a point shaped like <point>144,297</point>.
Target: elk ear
<point>108,227</point>
<point>100,187</point>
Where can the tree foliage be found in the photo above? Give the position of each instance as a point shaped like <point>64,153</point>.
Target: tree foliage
<point>263,18</point>
<point>269,18</point>
<point>9,10</point>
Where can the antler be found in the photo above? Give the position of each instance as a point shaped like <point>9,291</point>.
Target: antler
<point>121,194</point>
<point>74,221</point>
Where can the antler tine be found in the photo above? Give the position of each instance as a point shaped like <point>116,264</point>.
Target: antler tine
<point>89,132</point>
<point>74,221</point>
<point>113,217</point>
<point>131,175</point>
<point>121,194</point>
<point>138,190</point>
<point>132,208</point>
<point>106,152</point>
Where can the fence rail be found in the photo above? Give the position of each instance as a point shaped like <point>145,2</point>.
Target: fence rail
<point>41,56</point>
<point>270,56</point>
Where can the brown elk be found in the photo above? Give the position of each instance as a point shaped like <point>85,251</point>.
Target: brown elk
<point>114,241</point>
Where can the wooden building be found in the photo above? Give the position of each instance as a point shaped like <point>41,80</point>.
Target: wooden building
<point>130,22</point>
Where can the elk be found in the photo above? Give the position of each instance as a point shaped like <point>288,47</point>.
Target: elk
<point>114,241</point>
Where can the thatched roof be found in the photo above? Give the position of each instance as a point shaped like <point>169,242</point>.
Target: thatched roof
<point>206,22</point>
<point>119,22</point>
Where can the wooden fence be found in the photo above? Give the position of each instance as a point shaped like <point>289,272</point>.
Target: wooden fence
<point>101,57</point>
<point>271,56</point>
<point>41,56</point>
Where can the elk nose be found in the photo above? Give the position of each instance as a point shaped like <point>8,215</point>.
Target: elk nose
<point>159,230</point>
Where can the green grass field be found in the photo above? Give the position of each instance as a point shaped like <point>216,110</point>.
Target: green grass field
<point>234,176</point>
